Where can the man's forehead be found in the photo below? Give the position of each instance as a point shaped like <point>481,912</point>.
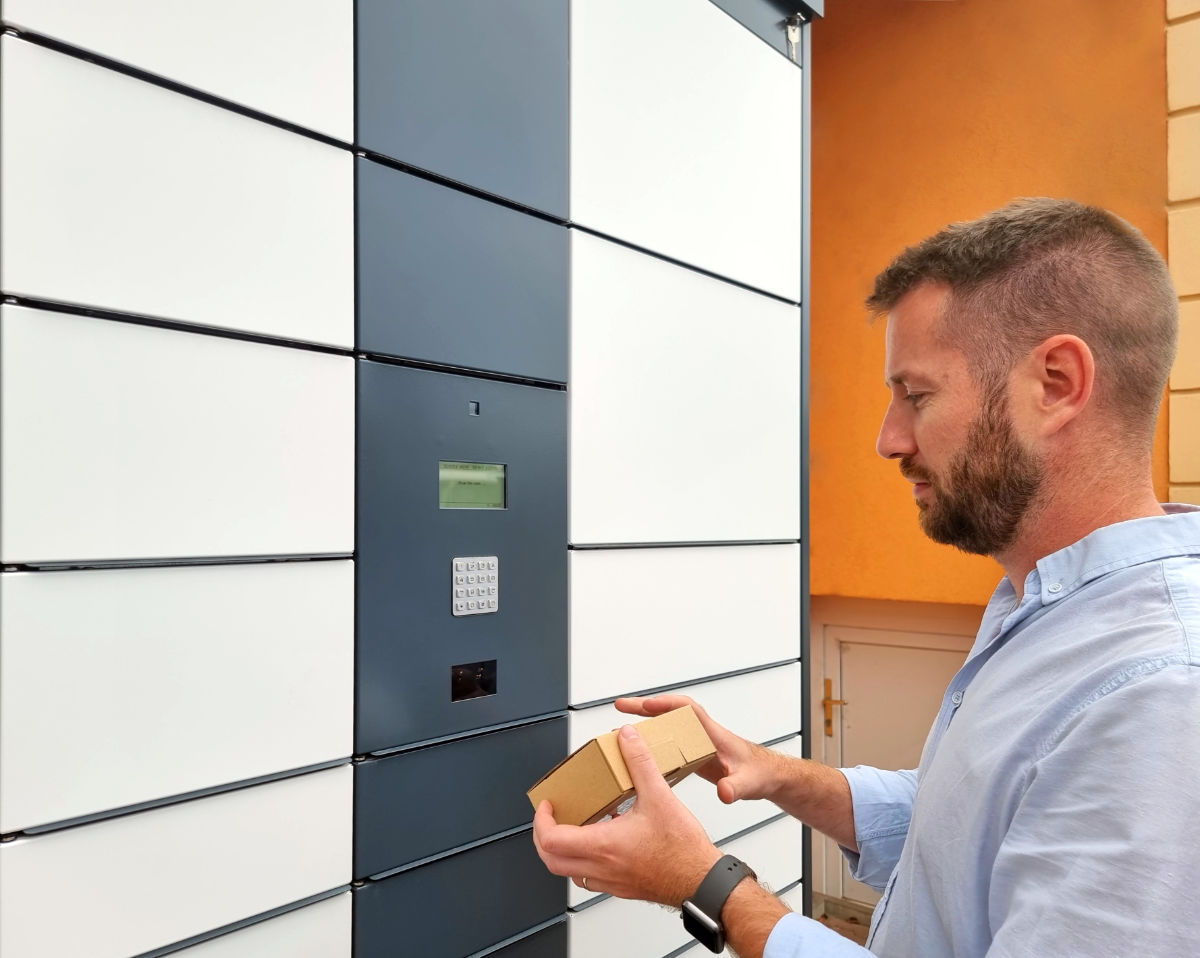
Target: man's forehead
<point>915,353</point>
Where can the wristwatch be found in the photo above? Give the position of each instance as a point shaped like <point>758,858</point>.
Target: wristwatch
<point>702,912</point>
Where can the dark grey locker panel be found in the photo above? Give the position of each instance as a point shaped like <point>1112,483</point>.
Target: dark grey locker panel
<point>449,278</point>
<point>416,804</point>
<point>413,654</point>
<point>548,943</point>
<point>469,90</point>
<point>458,905</point>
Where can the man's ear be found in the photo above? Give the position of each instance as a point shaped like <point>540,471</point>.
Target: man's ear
<point>1061,373</point>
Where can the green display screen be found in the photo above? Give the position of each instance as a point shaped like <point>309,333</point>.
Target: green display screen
<point>471,485</point>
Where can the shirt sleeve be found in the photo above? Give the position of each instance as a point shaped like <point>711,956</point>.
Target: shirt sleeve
<point>882,811</point>
<point>795,936</point>
<point>1101,857</point>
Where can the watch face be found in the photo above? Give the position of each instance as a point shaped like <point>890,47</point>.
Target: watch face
<point>701,927</point>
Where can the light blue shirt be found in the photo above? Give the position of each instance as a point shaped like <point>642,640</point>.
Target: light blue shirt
<point>1056,807</point>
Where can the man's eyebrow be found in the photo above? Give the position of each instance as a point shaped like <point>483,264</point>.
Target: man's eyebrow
<point>907,379</point>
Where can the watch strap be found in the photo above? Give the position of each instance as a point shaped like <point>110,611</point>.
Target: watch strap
<point>718,885</point>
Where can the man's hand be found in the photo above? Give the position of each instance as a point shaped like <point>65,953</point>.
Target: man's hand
<point>814,793</point>
<point>656,851</point>
<point>741,769</point>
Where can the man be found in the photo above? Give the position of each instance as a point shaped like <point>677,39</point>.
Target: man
<point>1053,811</point>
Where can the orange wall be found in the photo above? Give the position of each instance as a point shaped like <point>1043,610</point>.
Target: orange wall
<point>930,112</point>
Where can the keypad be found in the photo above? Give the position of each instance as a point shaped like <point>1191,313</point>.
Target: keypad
<point>474,585</point>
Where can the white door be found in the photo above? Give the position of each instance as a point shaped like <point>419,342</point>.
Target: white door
<point>892,683</point>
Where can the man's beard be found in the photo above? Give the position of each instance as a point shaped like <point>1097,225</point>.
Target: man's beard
<point>988,490</point>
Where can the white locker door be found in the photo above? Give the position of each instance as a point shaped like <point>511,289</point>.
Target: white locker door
<point>128,885</point>
<point>623,928</point>
<point>685,138</point>
<point>123,686</point>
<point>644,618</point>
<point>775,852</point>
<point>321,930</point>
<point>120,195</point>
<point>292,59</point>
<point>123,441</point>
<point>684,404</point>
<point>762,706</point>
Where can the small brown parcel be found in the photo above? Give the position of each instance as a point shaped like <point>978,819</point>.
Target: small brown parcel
<point>593,781</point>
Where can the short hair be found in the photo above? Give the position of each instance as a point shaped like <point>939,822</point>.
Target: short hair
<point>1039,267</point>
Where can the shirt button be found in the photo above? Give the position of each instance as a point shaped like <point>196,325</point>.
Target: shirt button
<point>957,697</point>
<point>1054,587</point>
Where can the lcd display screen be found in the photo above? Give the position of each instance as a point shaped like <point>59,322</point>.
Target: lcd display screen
<point>472,485</point>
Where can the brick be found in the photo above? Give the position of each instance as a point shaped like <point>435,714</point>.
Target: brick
<point>1184,445</point>
<point>1185,494</point>
<point>1183,65</point>
<point>1186,372</point>
<point>1183,157</point>
<point>1183,240</point>
<point>1181,8</point>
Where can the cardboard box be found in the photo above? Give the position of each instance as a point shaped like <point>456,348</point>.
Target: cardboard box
<point>593,781</point>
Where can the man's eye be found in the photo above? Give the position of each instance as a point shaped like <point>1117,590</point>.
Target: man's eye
<point>914,398</point>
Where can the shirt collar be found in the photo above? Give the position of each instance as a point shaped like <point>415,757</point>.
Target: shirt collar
<point>1114,547</point>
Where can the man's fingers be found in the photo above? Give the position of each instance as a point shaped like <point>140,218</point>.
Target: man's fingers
<point>563,848</point>
<point>647,779</point>
<point>653,705</point>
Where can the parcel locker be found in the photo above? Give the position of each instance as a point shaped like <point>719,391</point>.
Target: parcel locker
<point>774,850</point>
<point>416,804</point>
<point>132,884</point>
<point>461,573</point>
<point>449,278</point>
<point>320,930</point>
<point>124,196</point>
<point>686,138</point>
<point>550,942</point>
<point>123,441</point>
<point>223,674</point>
<point>685,404</point>
<point>627,928</point>
<point>763,706</point>
<point>291,59</point>
<point>458,905</point>
<point>470,94</point>
<point>644,618</point>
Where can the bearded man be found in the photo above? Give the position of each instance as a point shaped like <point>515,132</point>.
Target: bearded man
<point>1052,812</point>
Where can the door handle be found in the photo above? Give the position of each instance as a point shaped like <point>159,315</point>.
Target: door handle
<point>828,703</point>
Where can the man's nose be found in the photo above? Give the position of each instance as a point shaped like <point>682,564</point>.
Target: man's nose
<point>895,437</point>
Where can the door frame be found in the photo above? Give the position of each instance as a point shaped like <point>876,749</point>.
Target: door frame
<point>904,624</point>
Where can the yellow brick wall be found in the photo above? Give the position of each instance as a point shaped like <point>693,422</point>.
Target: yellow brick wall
<point>1183,225</point>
